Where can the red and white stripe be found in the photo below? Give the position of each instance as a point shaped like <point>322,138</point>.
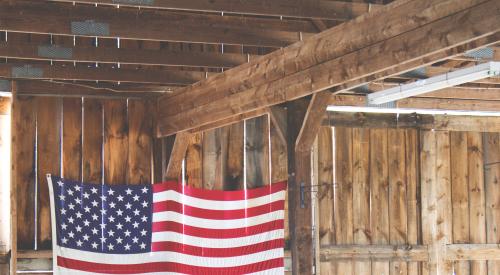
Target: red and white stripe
<point>198,231</point>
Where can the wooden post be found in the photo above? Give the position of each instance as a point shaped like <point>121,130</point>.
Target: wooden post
<point>13,187</point>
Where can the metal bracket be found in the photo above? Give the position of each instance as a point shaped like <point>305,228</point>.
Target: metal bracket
<point>135,2</point>
<point>53,51</point>
<point>302,195</point>
<point>89,27</point>
<point>5,85</point>
<point>26,71</point>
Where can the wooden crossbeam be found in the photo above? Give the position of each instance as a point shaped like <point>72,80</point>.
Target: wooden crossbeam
<point>121,55</point>
<point>327,60</point>
<point>177,155</point>
<point>85,20</point>
<point>335,10</point>
<point>157,76</point>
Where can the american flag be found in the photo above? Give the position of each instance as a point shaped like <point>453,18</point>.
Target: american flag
<point>165,228</point>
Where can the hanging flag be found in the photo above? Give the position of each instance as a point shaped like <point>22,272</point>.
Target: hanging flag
<point>166,228</point>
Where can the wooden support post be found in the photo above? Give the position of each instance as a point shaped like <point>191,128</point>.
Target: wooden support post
<point>177,154</point>
<point>304,122</point>
<point>13,187</point>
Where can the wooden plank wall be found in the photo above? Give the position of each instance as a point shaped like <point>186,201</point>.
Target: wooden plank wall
<point>383,186</point>
<point>82,139</point>
<point>5,112</point>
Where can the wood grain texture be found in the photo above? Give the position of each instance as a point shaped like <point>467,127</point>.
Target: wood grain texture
<point>92,141</point>
<point>49,161</point>
<point>234,175</point>
<point>72,138</point>
<point>214,158</point>
<point>140,132</point>
<point>194,158</point>
<point>116,145</point>
<point>257,152</point>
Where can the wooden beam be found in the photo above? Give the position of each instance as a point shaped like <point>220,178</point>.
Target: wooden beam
<point>144,24</point>
<point>334,10</point>
<point>473,252</point>
<point>308,67</point>
<point>277,115</point>
<point>312,121</point>
<point>404,253</point>
<point>70,72</point>
<point>49,88</point>
<point>231,120</point>
<point>177,154</point>
<point>33,51</point>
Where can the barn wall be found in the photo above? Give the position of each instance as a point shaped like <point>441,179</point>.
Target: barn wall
<point>373,187</point>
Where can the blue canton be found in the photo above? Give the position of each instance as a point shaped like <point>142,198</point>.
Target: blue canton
<point>113,219</point>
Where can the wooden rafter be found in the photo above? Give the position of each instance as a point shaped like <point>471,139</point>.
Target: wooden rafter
<point>327,60</point>
<point>336,10</point>
<point>55,18</point>
<point>165,57</point>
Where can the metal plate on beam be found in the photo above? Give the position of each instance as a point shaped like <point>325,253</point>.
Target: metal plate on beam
<point>26,71</point>
<point>89,27</point>
<point>135,2</point>
<point>4,85</point>
<point>52,51</point>
<point>486,53</point>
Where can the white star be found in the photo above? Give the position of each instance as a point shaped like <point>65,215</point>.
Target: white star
<point>86,195</point>
<point>86,237</point>
<point>143,232</point>
<point>127,233</point>
<point>135,240</point>
<point>70,192</point>
<point>111,247</point>
<point>112,205</point>
<point>111,233</point>
<point>143,246</point>
<point>103,239</point>
<point>119,212</point>
<point>103,211</point>
<point>119,226</point>
<point>144,219</point>
<point>103,225</point>
<point>62,197</point>
<point>64,240</point>
<point>60,183</point>
<point>94,231</point>
<point>79,215</point>
<point>94,190</point>
<point>136,212</point>
<point>111,219</point>
<point>78,201</point>
<point>79,243</point>
<point>71,220</point>
<point>77,188</point>
<point>128,191</point>
<point>103,198</point>
<point>71,206</point>
<point>94,217</point>
<point>127,247</point>
<point>119,240</point>
<point>144,190</point>
<point>71,234</point>
<point>111,192</point>
<point>128,205</point>
<point>144,204</point>
<point>136,198</point>
<point>64,226</point>
<point>128,219</point>
<point>78,228</point>
<point>94,203</point>
<point>63,211</point>
<point>120,198</point>
<point>94,245</point>
<point>135,224</point>
<point>86,222</point>
<point>87,209</point>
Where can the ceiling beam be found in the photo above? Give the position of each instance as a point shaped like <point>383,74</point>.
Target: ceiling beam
<point>334,10</point>
<point>328,60</point>
<point>86,20</point>
<point>33,51</point>
<point>70,72</point>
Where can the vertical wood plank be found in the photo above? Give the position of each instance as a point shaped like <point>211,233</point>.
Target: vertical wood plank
<point>214,158</point>
<point>476,197</point>
<point>140,130</point>
<point>115,141</point>
<point>72,138</point>
<point>23,169</point>
<point>194,157</point>
<point>49,161</point>
<point>257,151</point>
<point>492,188</point>
<point>460,195</point>
<point>379,194</point>
<point>343,193</point>
<point>235,146</point>
<point>413,194</point>
<point>361,193</point>
<point>92,141</point>
<point>325,194</point>
<point>397,194</point>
